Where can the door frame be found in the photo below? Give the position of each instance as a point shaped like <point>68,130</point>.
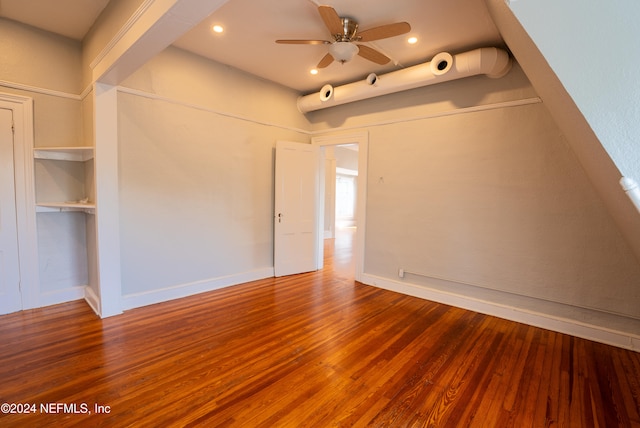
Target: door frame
<point>362,139</point>
<point>22,108</point>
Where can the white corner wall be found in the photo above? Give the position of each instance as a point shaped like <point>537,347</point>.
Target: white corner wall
<point>196,176</point>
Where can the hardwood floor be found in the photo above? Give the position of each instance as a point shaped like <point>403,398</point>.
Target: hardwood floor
<point>314,350</point>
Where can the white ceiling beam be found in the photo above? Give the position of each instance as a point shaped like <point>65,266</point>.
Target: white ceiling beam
<point>154,26</point>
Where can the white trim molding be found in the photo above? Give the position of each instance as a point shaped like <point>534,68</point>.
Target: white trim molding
<point>93,300</point>
<point>136,300</point>
<point>22,108</point>
<point>122,32</point>
<point>156,97</point>
<point>38,90</point>
<point>596,326</point>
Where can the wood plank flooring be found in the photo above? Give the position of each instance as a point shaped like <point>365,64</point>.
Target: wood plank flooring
<point>311,350</point>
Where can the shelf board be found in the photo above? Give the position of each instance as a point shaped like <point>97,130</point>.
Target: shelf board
<point>48,207</point>
<point>64,153</point>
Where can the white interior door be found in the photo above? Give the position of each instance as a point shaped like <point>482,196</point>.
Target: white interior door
<point>297,187</point>
<point>10,298</point>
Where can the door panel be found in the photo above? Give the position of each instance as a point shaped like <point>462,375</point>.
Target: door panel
<point>10,298</point>
<point>296,208</point>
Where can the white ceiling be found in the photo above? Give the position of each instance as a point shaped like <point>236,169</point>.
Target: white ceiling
<point>252,26</point>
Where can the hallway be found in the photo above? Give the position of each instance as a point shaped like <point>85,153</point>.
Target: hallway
<point>338,252</point>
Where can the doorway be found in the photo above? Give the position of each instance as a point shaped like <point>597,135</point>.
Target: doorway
<point>345,157</point>
<point>341,184</point>
<point>340,199</point>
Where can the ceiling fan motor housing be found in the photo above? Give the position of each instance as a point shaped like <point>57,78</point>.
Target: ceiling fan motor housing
<point>349,30</point>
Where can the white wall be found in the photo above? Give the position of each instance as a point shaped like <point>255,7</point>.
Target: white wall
<point>196,147</point>
<point>604,170</point>
<point>346,158</point>
<point>47,68</point>
<point>494,199</point>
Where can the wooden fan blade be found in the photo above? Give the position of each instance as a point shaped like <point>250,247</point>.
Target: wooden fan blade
<point>325,61</point>
<point>304,42</point>
<point>384,31</point>
<point>331,19</point>
<point>372,55</point>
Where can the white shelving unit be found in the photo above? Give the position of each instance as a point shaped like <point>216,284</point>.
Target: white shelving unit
<point>69,154</point>
<point>64,179</point>
<point>50,207</point>
<point>64,153</point>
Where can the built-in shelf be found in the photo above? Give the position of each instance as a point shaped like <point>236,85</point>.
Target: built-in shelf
<point>74,154</point>
<point>49,207</point>
<point>64,153</point>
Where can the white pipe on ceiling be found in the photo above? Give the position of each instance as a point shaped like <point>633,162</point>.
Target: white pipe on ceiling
<point>444,67</point>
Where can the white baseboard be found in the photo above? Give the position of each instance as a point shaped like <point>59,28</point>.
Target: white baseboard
<point>61,296</point>
<point>599,327</point>
<point>136,300</point>
<point>92,300</point>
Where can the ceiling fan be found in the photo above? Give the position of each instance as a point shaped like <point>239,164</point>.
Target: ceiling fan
<point>345,34</point>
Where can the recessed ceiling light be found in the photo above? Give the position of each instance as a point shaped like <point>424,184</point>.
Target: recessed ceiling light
<point>217,29</point>
<point>412,40</point>
<point>313,71</point>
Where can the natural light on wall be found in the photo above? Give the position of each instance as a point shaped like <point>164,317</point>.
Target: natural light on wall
<point>345,200</point>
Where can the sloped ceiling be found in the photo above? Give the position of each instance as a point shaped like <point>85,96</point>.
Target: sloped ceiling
<point>597,162</point>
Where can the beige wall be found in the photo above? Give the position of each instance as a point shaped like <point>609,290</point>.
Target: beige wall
<point>435,99</point>
<point>38,58</point>
<point>44,64</point>
<point>192,80</point>
<point>46,68</point>
<point>494,198</point>
<point>196,151</point>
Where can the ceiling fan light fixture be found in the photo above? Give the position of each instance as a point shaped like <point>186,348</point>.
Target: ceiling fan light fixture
<point>343,51</point>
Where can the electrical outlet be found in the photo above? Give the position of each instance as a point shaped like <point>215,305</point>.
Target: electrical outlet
<point>401,273</point>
